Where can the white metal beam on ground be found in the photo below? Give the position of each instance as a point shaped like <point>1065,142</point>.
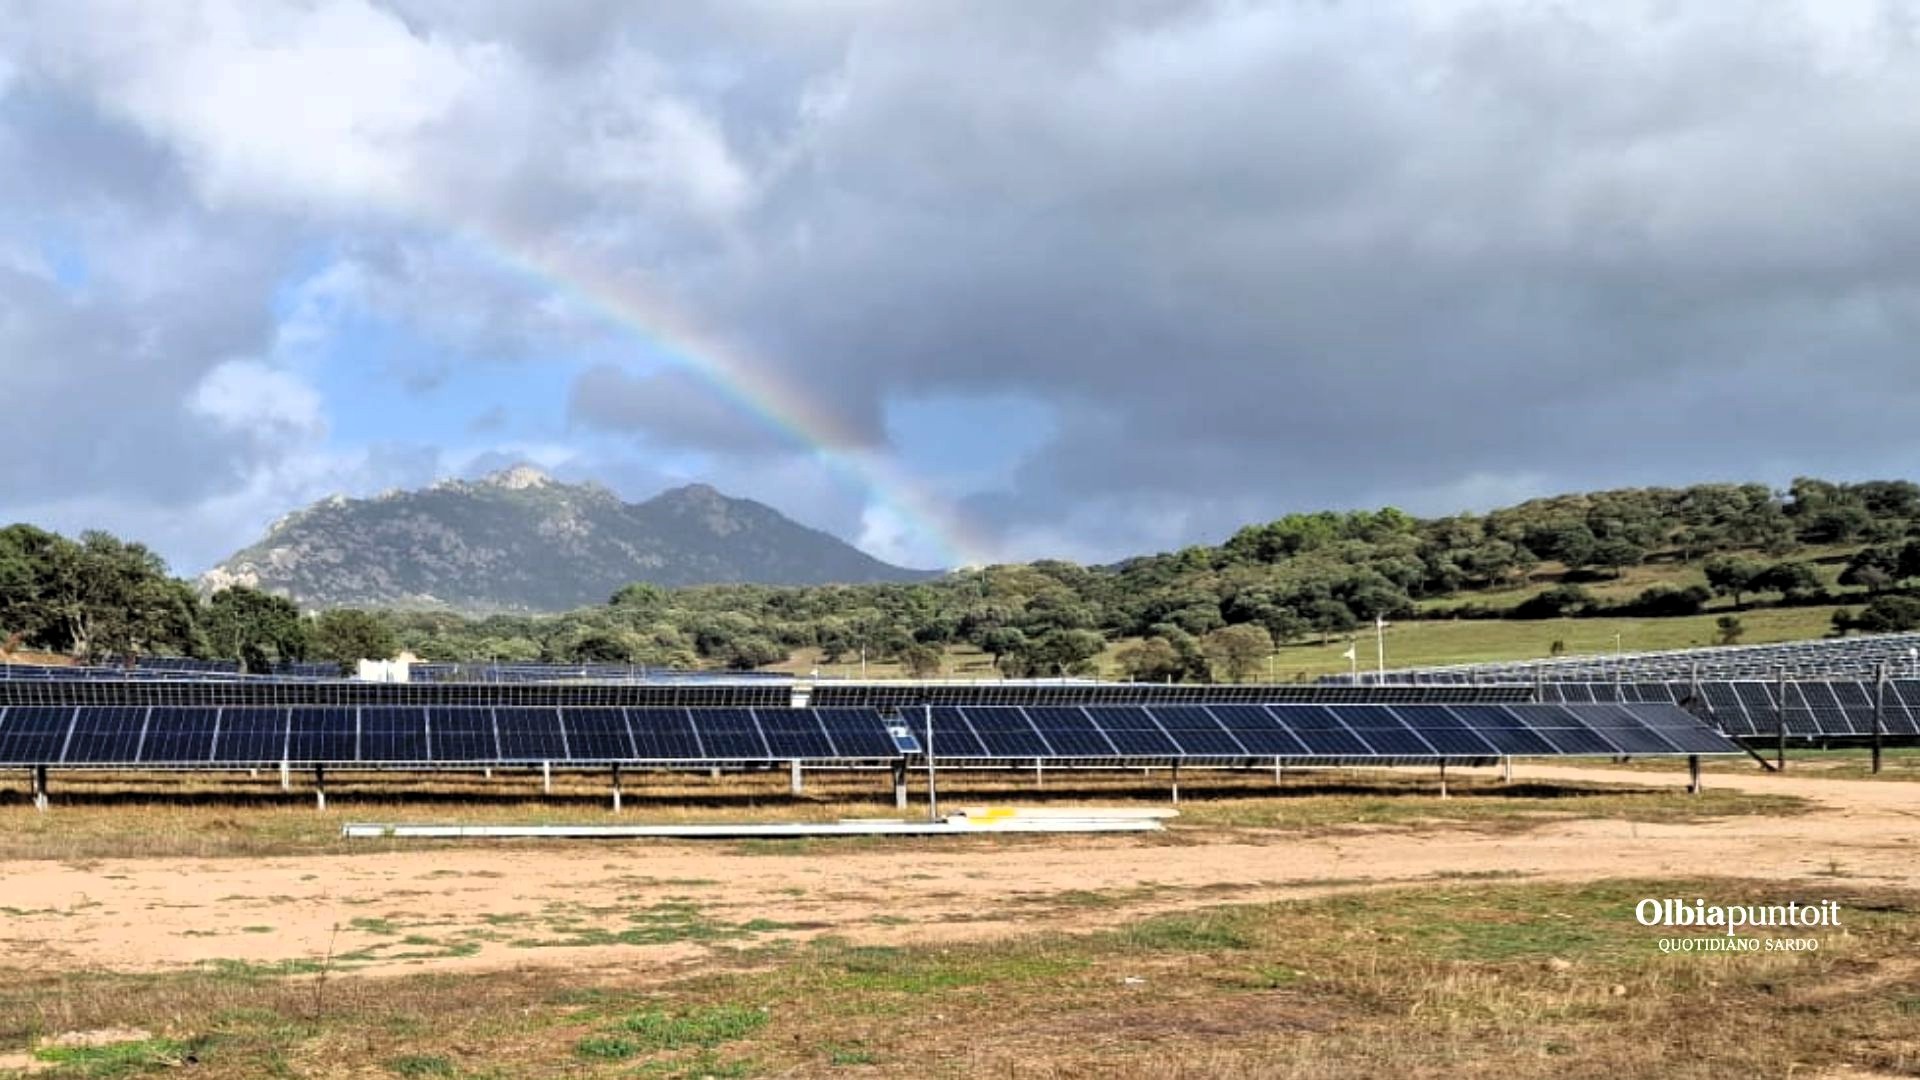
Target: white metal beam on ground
<point>953,826</point>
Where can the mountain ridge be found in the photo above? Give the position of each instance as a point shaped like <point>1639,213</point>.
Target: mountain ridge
<point>519,540</point>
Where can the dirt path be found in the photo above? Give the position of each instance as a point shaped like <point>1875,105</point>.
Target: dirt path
<point>448,908</point>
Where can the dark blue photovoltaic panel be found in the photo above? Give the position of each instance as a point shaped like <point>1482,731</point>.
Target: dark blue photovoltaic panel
<point>463,734</point>
<point>1381,729</point>
<point>952,735</point>
<point>528,734</point>
<point>666,735</point>
<point>34,734</point>
<point>323,735</point>
<point>594,734</point>
<point>182,736</point>
<point>1133,730</point>
<point>859,733</point>
<point>1724,701</point>
<point>730,734</point>
<point>794,733</point>
<point>246,735</point>
<point>1623,729</point>
<point>106,735</point>
<point>1500,727</point>
<point>1565,733</point>
<point>1069,731</point>
<point>1447,732</point>
<point>1197,732</point>
<point>1262,730</point>
<point>1569,692</point>
<point>1315,727</point>
<point>1005,731</point>
<point>1687,734</point>
<point>393,734</point>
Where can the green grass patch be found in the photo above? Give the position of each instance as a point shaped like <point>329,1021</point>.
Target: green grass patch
<point>118,1059</point>
<point>419,1065</point>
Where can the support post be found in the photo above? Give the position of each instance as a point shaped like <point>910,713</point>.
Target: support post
<point>1879,714</point>
<point>286,776</point>
<point>1279,771</point>
<point>1039,775</point>
<point>1176,783</point>
<point>546,778</point>
<point>1780,722</point>
<point>616,788</point>
<point>1443,778</point>
<point>320,787</point>
<point>1506,770</point>
<point>933,791</point>
<point>1693,774</point>
<point>900,785</point>
<point>794,783</point>
<point>487,773</point>
<point>713,773</point>
<point>40,788</point>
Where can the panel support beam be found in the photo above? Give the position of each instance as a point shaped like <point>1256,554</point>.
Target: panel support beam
<point>1780,721</point>
<point>1279,772</point>
<point>320,787</point>
<point>1039,773</point>
<point>40,788</point>
<point>546,778</point>
<point>900,785</point>
<point>1879,714</point>
<point>286,776</point>
<point>1506,770</point>
<point>616,788</point>
<point>1176,783</point>
<point>796,784</point>
<point>1443,778</point>
<point>1693,774</point>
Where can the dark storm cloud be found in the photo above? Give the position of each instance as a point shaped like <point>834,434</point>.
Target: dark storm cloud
<point>1254,257</point>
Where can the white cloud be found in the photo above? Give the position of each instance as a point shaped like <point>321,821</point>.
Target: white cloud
<point>251,397</point>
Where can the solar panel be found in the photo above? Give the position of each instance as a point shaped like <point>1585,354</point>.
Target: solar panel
<point>1562,730</point>
<point>323,735</point>
<point>1197,732</point>
<point>529,734</point>
<point>388,734</point>
<point>794,733</point>
<point>177,736</point>
<point>857,733</point>
<point>590,735</point>
<point>1380,729</point>
<point>1005,732</point>
<point>1623,729</point>
<point>1134,730</point>
<point>1316,729</point>
<point>1447,732</point>
<point>1070,732</point>
<point>1503,730</point>
<point>728,734</point>
<point>667,735</point>
<point>103,735</point>
<point>250,736</point>
<point>34,735</point>
<point>462,735</point>
<point>953,736</point>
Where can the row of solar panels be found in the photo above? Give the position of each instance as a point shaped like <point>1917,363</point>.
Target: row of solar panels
<point>1854,657</point>
<point>170,736</point>
<point>1749,708</point>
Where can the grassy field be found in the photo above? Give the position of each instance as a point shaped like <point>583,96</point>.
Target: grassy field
<point>103,816</point>
<point>1469,978</point>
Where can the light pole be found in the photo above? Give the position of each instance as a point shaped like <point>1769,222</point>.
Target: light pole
<point>1380,645</point>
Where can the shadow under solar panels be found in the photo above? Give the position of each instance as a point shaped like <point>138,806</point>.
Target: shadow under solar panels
<point>729,734</point>
<point>181,736</point>
<point>464,735</point>
<point>323,735</point>
<point>859,733</point>
<point>1070,731</point>
<point>591,735</point>
<point>530,734</point>
<point>794,733</point>
<point>1134,731</point>
<point>246,736</point>
<point>105,735</point>
<point>34,734</point>
<point>1198,732</point>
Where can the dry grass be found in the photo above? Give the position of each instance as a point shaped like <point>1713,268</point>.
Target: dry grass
<point>99,815</point>
<point>1457,979</point>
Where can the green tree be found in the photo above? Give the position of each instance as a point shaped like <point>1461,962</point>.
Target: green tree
<point>1735,577</point>
<point>1152,660</point>
<point>345,635</point>
<point>1239,649</point>
<point>255,628</point>
<point>1730,629</point>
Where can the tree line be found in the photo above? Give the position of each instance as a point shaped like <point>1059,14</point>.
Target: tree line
<point>1200,612</point>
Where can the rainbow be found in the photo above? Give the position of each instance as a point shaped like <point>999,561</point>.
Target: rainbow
<point>749,382</point>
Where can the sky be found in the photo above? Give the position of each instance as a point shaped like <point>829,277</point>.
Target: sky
<point>959,282</point>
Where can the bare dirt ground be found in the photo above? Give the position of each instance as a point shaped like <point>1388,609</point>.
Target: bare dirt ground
<point>474,907</point>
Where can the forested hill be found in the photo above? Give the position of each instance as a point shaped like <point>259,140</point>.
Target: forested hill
<point>1196,613</point>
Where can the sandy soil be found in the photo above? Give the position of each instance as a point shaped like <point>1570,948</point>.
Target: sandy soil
<point>473,907</point>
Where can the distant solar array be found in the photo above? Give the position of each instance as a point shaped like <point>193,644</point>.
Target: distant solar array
<point>387,736</point>
<point>1832,658</point>
<point>1750,709</point>
<point>888,695</point>
<point>517,672</point>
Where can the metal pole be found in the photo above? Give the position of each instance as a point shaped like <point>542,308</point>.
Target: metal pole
<point>1693,774</point>
<point>1039,773</point>
<point>616,788</point>
<point>1506,770</point>
<point>1380,645</point>
<point>900,784</point>
<point>320,787</point>
<point>1879,713</point>
<point>1780,722</point>
<point>1176,783</point>
<point>1443,778</point>
<point>546,777</point>
<point>794,783</point>
<point>933,793</point>
<point>40,788</point>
